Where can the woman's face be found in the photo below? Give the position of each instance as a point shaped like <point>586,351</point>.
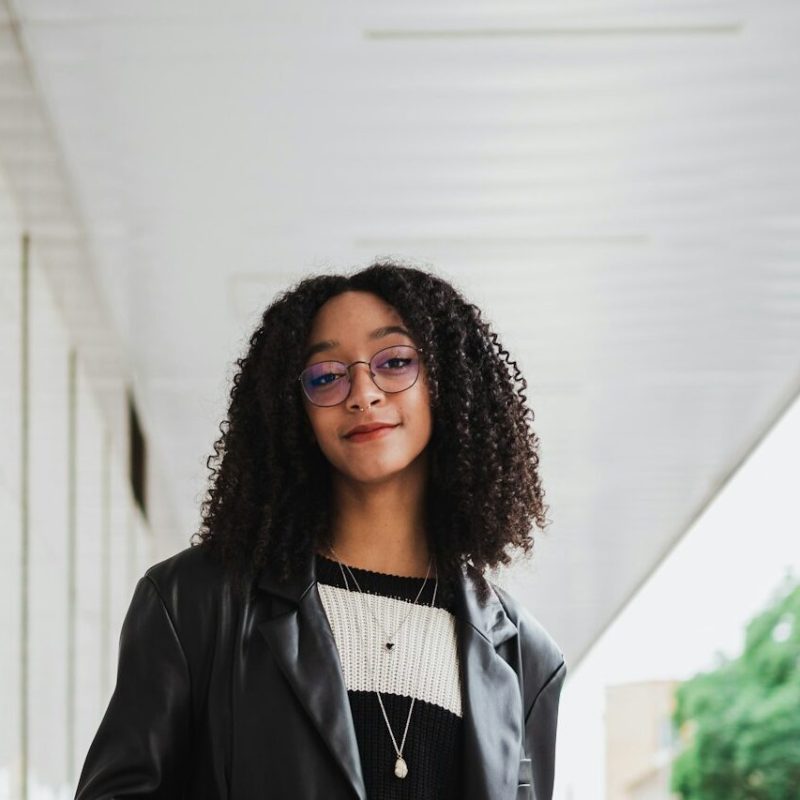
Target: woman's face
<point>347,324</point>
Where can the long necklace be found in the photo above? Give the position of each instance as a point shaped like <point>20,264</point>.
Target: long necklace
<point>400,766</point>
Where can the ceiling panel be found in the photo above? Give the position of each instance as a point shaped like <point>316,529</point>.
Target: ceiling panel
<point>617,184</point>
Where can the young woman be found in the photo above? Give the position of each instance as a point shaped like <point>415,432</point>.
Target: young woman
<point>332,633</point>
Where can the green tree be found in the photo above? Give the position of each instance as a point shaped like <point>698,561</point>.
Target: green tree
<point>740,723</point>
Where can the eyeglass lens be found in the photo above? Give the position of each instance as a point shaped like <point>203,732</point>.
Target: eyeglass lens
<point>394,369</point>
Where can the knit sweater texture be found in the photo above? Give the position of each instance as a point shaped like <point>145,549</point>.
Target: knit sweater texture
<point>423,665</point>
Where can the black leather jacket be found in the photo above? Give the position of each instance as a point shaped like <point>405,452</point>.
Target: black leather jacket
<point>218,697</point>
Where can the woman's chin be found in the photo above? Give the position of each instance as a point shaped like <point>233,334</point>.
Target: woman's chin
<point>369,472</point>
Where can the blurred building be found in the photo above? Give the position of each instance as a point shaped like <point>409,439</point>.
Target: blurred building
<point>640,740</point>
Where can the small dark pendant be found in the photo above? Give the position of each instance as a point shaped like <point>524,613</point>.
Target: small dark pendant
<point>389,645</point>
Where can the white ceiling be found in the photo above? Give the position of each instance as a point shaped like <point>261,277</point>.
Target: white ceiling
<point>617,184</point>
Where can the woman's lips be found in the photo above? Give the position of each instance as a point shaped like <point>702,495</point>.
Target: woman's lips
<point>375,434</point>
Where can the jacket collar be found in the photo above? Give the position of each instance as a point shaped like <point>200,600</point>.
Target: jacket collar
<point>491,707</point>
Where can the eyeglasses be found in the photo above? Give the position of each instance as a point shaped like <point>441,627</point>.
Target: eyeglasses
<point>392,369</point>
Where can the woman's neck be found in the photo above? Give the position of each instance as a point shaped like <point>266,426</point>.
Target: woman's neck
<point>380,528</point>
<point>392,555</point>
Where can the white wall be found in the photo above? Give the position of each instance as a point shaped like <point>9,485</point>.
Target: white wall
<point>10,506</point>
<point>73,541</point>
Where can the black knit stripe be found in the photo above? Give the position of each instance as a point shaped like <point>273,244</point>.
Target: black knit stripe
<point>431,750</point>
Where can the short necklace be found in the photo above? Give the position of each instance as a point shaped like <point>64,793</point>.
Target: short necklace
<point>400,766</point>
<point>388,639</point>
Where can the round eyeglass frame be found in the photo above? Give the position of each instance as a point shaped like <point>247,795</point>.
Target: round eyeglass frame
<point>371,374</point>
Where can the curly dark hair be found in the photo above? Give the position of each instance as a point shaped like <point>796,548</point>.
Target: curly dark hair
<point>269,502</point>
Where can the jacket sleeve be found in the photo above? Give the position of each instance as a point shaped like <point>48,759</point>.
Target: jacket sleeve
<point>541,725</point>
<point>141,747</point>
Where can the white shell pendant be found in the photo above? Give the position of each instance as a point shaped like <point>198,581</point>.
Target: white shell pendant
<point>400,768</point>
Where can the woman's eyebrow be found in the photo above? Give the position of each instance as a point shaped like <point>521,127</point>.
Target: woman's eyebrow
<point>329,344</point>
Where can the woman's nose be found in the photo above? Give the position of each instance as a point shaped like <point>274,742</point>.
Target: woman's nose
<point>362,388</point>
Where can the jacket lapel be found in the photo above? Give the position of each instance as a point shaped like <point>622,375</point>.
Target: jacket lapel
<point>492,708</point>
<point>302,642</point>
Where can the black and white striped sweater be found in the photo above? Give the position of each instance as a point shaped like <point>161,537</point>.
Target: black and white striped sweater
<point>423,664</point>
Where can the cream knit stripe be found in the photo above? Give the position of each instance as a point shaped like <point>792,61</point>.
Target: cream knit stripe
<point>425,662</point>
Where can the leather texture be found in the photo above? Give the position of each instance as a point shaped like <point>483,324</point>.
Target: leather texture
<point>221,697</point>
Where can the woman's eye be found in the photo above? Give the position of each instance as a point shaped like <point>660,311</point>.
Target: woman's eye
<point>324,380</point>
<point>396,363</point>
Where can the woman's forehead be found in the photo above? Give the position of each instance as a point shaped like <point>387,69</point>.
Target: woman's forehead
<point>353,316</point>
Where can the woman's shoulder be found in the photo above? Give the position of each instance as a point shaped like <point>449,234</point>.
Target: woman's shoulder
<point>196,591</point>
<point>542,655</point>
<point>195,568</point>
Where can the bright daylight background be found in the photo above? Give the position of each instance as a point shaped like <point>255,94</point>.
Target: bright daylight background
<point>726,568</point>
